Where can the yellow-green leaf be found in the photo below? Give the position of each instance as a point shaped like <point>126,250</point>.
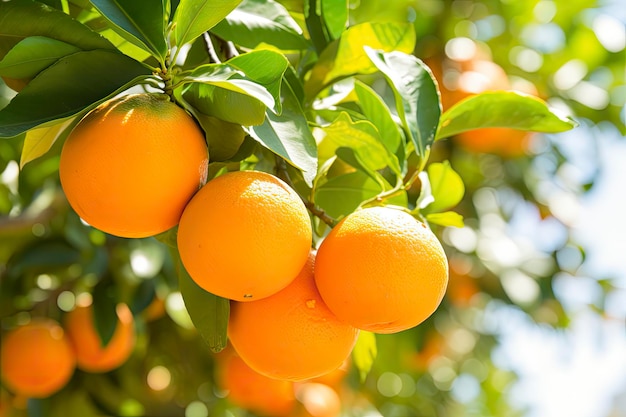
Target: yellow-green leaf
<point>364,353</point>
<point>39,141</point>
<point>346,56</point>
<point>446,186</point>
<point>448,218</point>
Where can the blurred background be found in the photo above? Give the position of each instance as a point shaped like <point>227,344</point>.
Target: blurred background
<point>534,320</point>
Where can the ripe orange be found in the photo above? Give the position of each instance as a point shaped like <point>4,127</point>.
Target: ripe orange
<point>37,359</point>
<point>291,335</point>
<point>381,270</point>
<point>252,391</point>
<point>131,165</point>
<point>501,141</point>
<point>245,235</point>
<point>90,354</point>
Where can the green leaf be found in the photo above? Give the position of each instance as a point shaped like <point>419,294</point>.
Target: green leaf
<point>74,83</point>
<point>39,141</point>
<point>341,195</point>
<point>194,17</point>
<point>446,186</point>
<point>510,109</point>
<point>447,218</point>
<point>24,18</point>
<point>224,138</point>
<point>261,21</point>
<point>335,16</point>
<point>288,135</point>
<point>42,256</point>
<point>364,353</point>
<point>140,22</point>
<point>221,90</point>
<point>32,55</point>
<point>264,67</point>
<point>417,96</point>
<point>104,313</point>
<point>315,26</point>
<point>376,111</point>
<point>346,56</point>
<point>362,138</point>
<point>209,313</point>
<point>226,104</point>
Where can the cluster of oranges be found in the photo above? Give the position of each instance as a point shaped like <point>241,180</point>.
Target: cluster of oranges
<point>39,358</point>
<point>136,166</point>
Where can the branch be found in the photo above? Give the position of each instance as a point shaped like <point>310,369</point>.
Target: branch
<point>281,172</point>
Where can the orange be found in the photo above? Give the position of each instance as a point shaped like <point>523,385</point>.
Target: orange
<point>131,165</point>
<point>501,141</point>
<point>474,76</point>
<point>90,354</point>
<point>381,270</point>
<point>292,334</point>
<point>245,235</point>
<point>37,359</point>
<point>318,400</point>
<point>252,391</point>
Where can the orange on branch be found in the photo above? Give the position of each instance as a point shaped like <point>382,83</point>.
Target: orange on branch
<point>131,165</point>
<point>292,334</point>
<point>91,356</point>
<point>244,236</point>
<point>381,270</point>
<point>36,359</point>
<point>252,391</point>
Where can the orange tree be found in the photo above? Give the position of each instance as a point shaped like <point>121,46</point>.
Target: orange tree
<point>332,98</point>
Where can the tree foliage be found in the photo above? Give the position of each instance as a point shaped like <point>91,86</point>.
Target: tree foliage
<point>344,102</point>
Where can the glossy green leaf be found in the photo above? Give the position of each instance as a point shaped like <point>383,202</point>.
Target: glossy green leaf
<point>361,138</point>
<point>20,19</point>
<point>288,135</point>
<point>261,21</point>
<point>209,313</point>
<point>83,80</point>
<point>32,55</point>
<point>225,91</point>
<point>194,17</point>
<point>346,56</point>
<point>417,95</point>
<point>446,186</point>
<point>226,104</point>
<point>140,22</point>
<point>510,109</point>
<point>264,67</point>
<point>335,16</point>
<point>376,111</point>
<point>341,195</point>
<point>447,218</point>
<point>38,141</point>
<point>364,353</point>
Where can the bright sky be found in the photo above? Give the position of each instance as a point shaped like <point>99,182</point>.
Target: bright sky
<point>581,372</point>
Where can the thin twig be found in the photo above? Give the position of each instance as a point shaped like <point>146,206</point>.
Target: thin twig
<point>281,172</point>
